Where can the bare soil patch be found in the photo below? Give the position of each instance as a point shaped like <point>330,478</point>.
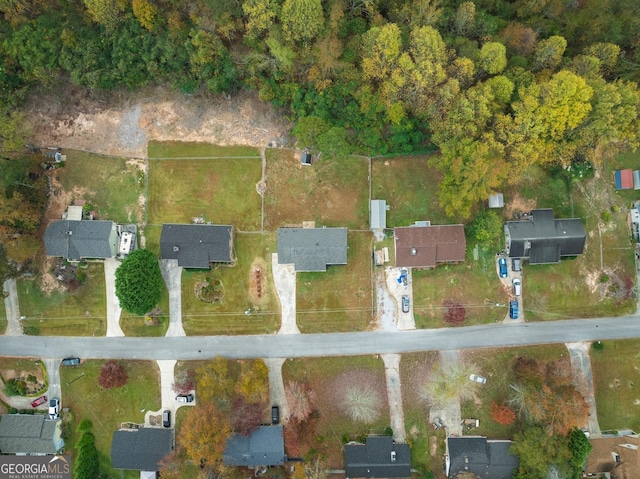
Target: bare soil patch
<point>519,205</point>
<point>258,285</point>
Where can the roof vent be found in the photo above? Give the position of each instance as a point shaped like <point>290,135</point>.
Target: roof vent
<point>176,249</point>
<point>69,233</point>
<point>414,251</point>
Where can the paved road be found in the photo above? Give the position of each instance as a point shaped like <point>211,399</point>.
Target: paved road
<point>319,345</point>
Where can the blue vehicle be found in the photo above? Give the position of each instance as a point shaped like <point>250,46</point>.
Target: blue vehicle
<point>513,309</point>
<point>502,263</point>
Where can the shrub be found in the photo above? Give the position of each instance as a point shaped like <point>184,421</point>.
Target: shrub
<point>606,216</point>
<point>15,387</point>
<point>502,414</point>
<point>388,431</point>
<point>31,330</point>
<point>598,345</point>
<point>84,425</point>
<point>112,375</point>
<point>454,313</point>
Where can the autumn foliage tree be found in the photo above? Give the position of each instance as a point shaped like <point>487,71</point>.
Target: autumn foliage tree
<point>245,416</point>
<point>185,381</point>
<point>253,382</point>
<point>502,414</point>
<point>204,433</point>
<point>112,375</point>
<point>300,400</point>
<point>454,312</point>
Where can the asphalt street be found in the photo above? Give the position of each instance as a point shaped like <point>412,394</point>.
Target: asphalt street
<point>318,345</point>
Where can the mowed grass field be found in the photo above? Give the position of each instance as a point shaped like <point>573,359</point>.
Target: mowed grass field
<point>331,192</point>
<point>339,299</point>
<point>220,189</point>
<point>82,313</point>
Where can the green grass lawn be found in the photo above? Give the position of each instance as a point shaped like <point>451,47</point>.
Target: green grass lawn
<point>340,298</point>
<point>179,149</point>
<point>474,284</point>
<point>616,370</point>
<point>330,192</point>
<point>152,238</point>
<point>82,313</point>
<point>107,409</point>
<point>3,318</point>
<point>114,187</point>
<point>410,188</point>
<point>133,325</point>
<point>228,317</point>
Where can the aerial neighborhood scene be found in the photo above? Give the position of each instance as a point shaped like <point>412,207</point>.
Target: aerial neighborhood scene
<point>320,239</point>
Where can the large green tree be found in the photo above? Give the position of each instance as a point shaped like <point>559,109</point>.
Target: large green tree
<point>139,282</point>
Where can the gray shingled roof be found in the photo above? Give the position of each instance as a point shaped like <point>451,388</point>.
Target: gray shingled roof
<point>196,246</point>
<point>312,249</point>
<point>373,459</point>
<point>378,215</point>
<point>264,447</point>
<point>140,449</point>
<point>481,457</point>
<point>29,434</point>
<point>75,240</point>
<point>544,239</point>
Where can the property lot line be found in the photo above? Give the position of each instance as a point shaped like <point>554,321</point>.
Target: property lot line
<point>322,345</point>
<point>153,158</point>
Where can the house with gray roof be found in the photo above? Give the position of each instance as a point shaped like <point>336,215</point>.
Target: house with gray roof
<point>197,245</point>
<point>77,240</point>
<point>263,447</point>
<point>379,457</point>
<point>312,249</point>
<point>544,239</point>
<point>30,434</point>
<point>480,456</point>
<point>140,449</point>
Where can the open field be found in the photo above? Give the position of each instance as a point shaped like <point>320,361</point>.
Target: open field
<point>410,187</point>
<point>178,149</point>
<point>228,316</point>
<point>111,186</point>
<point>82,313</point>
<point>107,409</point>
<point>616,370</point>
<point>340,298</point>
<point>329,192</point>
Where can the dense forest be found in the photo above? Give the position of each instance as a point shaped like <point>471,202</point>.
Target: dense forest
<point>496,85</point>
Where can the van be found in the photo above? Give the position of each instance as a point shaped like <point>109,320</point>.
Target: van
<point>517,287</point>
<point>166,418</point>
<point>275,414</point>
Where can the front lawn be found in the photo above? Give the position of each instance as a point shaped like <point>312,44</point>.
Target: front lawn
<point>133,325</point>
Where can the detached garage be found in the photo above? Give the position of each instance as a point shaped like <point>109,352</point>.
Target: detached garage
<point>623,179</point>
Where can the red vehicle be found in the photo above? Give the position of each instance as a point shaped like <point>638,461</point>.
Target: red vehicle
<point>40,400</point>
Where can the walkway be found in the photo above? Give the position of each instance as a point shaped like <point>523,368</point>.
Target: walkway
<point>172,275</point>
<point>284,277</point>
<point>113,304</point>
<point>14,326</point>
<point>394,395</point>
<point>581,366</point>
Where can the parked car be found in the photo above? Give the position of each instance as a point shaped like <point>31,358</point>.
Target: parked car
<point>70,361</point>
<point>54,408</point>
<point>275,414</point>
<point>517,287</point>
<point>502,263</point>
<point>39,401</point>
<point>185,398</point>
<point>516,264</point>
<point>166,418</point>
<point>513,309</point>
<point>405,303</point>
<point>478,379</point>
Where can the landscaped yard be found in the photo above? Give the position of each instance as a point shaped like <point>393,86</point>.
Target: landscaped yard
<point>616,370</point>
<point>222,190</point>
<point>340,298</point>
<point>244,288</point>
<point>330,192</point>
<point>133,325</point>
<point>107,409</point>
<point>81,313</point>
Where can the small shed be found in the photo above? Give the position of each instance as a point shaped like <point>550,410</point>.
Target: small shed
<point>305,158</point>
<point>378,217</point>
<point>623,179</point>
<point>636,180</point>
<point>496,200</point>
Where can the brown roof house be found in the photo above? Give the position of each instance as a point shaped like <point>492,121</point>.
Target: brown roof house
<point>614,457</point>
<point>425,246</point>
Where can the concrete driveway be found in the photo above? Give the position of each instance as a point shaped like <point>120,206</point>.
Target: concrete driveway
<point>284,277</point>
<point>406,321</point>
<point>277,395</point>
<point>583,379</point>
<point>507,283</point>
<point>53,371</point>
<point>394,395</point>
<point>14,326</point>
<point>172,275</point>
<point>113,304</point>
<point>168,397</point>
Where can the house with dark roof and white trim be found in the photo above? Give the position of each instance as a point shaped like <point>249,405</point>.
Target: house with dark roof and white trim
<point>140,449</point>
<point>76,240</point>
<point>312,249</point>
<point>379,457</point>
<point>30,434</point>
<point>197,245</point>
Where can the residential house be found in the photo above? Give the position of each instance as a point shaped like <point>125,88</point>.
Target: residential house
<point>615,457</point>
<point>486,458</point>
<point>425,246</point>
<point>30,434</point>
<point>197,245</point>
<point>263,447</point>
<point>76,240</point>
<point>380,457</point>
<point>543,239</point>
<point>141,449</point>
<point>312,249</point>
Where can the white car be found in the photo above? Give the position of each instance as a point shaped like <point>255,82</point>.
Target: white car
<point>54,408</point>
<point>184,398</point>
<point>478,379</point>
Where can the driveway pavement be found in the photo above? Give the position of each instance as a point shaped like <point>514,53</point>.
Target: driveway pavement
<point>507,284</point>
<point>14,326</point>
<point>387,307</point>
<point>172,275</point>
<point>277,395</point>
<point>53,371</point>
<point>583,378</point>
<point>168,396</point>
<point>451,415</point>
<point>405,321</point>
<point>394,395</point>
<point>284,277</point>
<point>113,304</point>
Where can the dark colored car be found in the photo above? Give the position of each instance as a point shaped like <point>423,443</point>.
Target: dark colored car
<point>502,263</point>
<point>275,414</point>
<point>405,304</point>
<point>39,401</point>
<point>513,309</point>
<point>70,361</point>
<point>166,418</point>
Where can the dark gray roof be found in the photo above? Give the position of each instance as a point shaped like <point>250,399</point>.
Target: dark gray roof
<point>29,434</point>
<point>195,246</point>
<point>75,240</point>
<point>490,459</point>
<point>264,447</point>
<point>373,459</point>
<point>544,239</point>
<point>312,249</point>
<point>140,449</point>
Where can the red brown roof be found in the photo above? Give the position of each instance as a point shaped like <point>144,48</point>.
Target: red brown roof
<point>425,246</point>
